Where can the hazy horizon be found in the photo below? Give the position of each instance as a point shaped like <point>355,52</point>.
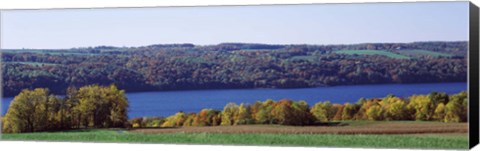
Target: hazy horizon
<point>316,24</point>
<point>233,43</point>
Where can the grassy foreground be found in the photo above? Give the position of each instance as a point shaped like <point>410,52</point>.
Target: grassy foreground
<point>443,141</point>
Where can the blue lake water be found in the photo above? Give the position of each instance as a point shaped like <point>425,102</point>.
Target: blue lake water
<point>169,102</point>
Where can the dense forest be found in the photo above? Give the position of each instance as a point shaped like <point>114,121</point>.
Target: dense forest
<point>233,65</point>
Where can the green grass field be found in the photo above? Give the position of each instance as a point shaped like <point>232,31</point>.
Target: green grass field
<point>42,51</point>
<point>423,53</point>
<point>443,141</point>
<point>372,52</point>
<point>32,63</point>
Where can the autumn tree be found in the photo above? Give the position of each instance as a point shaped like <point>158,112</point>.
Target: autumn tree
<point>175,120</point>
<point>137,122</point>
<point>349,111</point>
<point>302,113</point>
<point>394,108</point>
<point>287,112</point>
<point>455,110</point>
<point>254,109</point>
<point>338,108</point>
<point>439,113</point>
<point>322,111</point>
<point>243,115</point>
<point>375,112</point>
<point>420,104</point>
<point>364,106</point>
<point>206,117</point>
<point>101,106</point>
<point>29,112</point>
<point>229,112</point>
<point>436,98</point>
<point>72,112</point>
<point>263,115</point>
<point>89,106</point>
<point>189,121</point>
<point>282,112</point>
<point>118,105</point>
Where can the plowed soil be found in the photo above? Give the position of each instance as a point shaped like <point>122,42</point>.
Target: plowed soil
<point>355,128</point>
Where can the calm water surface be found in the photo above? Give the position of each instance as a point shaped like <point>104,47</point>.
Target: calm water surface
<point>168,103</point>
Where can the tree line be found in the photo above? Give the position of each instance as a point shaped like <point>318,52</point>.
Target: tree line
<point>91,106</point>
<point>227,65</point>
<point>97,106</point>
<point>432,107</point>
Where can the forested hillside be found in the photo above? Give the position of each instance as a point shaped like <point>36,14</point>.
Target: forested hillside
<point>233,65</point>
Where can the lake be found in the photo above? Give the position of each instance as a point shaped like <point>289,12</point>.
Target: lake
<point>169,102</point>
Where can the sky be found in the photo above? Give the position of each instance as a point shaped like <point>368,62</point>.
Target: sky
<point>270,24</point>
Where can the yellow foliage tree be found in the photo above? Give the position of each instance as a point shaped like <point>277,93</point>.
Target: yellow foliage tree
<point>420,104</point>
<point>375,113</point>
<point>175,121</point>
<point>439,112</point>
<point>243,115</point>
<point>394,108</point>
<point>229,112</point>
<point>322,111</point>
<point>28,112</point>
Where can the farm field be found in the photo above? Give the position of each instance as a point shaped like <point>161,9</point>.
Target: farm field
<point>360,127</point>
<point>423,53</point>
<point>372,52</point>
<point>32,63</point>
<point>59,52</point>
<point>355,134</point>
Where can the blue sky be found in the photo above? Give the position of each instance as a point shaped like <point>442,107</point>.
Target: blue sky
<point>281,24</point>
